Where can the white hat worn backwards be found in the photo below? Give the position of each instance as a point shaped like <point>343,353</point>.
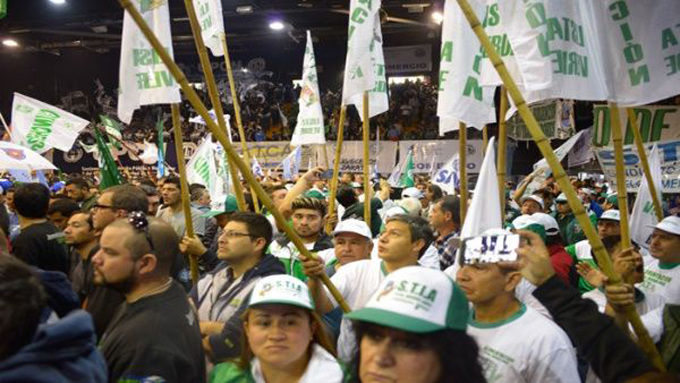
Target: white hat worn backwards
<point>670,224</point>
<point>561,198</point>
<point>412,192</point>
<point>353,226</point>
<point>281,289</point>
<point>611,215</point>
<point>534,198</point>
<point>416,299</point>
<point>549,223</point>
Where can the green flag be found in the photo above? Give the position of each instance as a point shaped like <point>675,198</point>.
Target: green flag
<point>3,8</point>
<point>109,175</point>
<point>113,128</point>
<point>406,180</point>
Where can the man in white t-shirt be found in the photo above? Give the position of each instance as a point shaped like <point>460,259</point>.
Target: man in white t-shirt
<point>516,343</point>
<point>404,240</point>
<point>664,270</point>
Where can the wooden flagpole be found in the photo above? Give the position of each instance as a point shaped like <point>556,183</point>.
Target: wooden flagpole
<point>367,177</point>
<point>645,163</point>
<point>237,112</point>
<point>622,194</point>
<point>220,134</point>
<point>214,95</point>
<point>603,259</point>
<point>184,187</point>
<point>336,165</point>
<point>485,139</point>
<point>462,154</point>
<point>502,149</point>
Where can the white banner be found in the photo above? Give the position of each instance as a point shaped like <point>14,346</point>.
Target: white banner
<point>352,159</point>
<point>656,123</point>
<point>310,126</point>
<point>643,217</point>
<point>461,95</point>
<point>144,79</point>
<point>408,59</point>
<point>442,150</point>
<point>485,208</point>
<point>202,169</point>
<point>359,74</point>
<point>41,127</point>
<point>448,176</point>
<point>670,165</point>
<point>582,152</point>
<point>209,13</point>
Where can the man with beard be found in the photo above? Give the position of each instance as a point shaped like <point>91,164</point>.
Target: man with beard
<point>80,237</point>
<point>79,190</point>
<point>135,258</point>
<point>308,223</point>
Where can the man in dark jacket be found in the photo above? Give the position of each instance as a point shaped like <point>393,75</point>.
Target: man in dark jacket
<point>221,296</point>
<point>62,351</point>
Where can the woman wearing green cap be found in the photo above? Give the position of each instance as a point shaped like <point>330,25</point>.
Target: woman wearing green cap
<point>284,340</point>
<point>413,330</point>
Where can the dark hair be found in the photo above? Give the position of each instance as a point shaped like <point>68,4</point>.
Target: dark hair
<point>258,226</point>
<point>173,180</point>
<point>196,194</point>
<point>149,190</point>
<point>147,182</point>
<point>196,186</point>
<point>436,191</point>
<point>345,195</point>
<point>457,351</point>
<point>309,203</point>
<point>22,300</point>
<point>270,189</point>
<point>31,200</point>
<point>128,197</point>
<point>66,206</point>
<point>451,204</point>
<point>419,228</point>
<point>610,244</point>
<point>79,182</point>
<point>4,219</point>
<point>162,235</point>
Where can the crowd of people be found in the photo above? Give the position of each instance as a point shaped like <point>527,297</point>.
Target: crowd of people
<point>111,285</point>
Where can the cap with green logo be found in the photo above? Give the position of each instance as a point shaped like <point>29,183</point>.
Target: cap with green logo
<point>314,193</point>
<point>613,199</point>
<point>229,205</point>
<point>416,299</point>
<point>527,222</point>
<point>281,289</point>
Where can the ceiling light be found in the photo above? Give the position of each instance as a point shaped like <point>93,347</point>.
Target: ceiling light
<point>244,9</point>
<point>10,43</point>
<point>276,25</point>
<point>58,2</point>
<point>437,17</point>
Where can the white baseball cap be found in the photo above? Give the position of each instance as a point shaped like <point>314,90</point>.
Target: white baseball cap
<point>535,198</point>
<point>611,215</point>
<point>353,226</point>
<point>281,289</point>
<point>412,192</point>
<point>549,223</point>
<point>588,191</point>
<point>561,198</point>
<point>670,224</point>
<point>416,299</point>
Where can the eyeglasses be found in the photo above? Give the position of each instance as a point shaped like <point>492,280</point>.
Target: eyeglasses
<point>233,234</point>
<point>99,206</point>
<point>138,221</point>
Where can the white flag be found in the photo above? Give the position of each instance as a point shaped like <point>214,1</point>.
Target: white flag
<point>485,208</point>
<point>150,154</point>
<point>448,176</point>
<point>310,127</point>
<point>209,13</point>
<point>643,217</point>
<point>144,79</point>
<point>461,94</point>
<point>541,168</point>
<point>41,127</point>
<point>365,63</point>
<point>291,163</point>
<point>256,168</point>
<point>201,168</point>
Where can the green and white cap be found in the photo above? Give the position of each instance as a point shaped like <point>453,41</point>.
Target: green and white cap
<point>416,299</point>
<point>229,205</point>
<point>528,222</point>
<point>281,289</point>
<point>611,215</point>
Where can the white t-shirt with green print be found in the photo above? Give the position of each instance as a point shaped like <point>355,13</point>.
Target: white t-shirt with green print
<point>659,276</point>
<point>527,347</point>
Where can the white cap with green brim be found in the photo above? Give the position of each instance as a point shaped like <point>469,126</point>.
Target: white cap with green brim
<point>281,289</point>
<point>611,215</point>
<point>669,224</point>
<point>416,299</point>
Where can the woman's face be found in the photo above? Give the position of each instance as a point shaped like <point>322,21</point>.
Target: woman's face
<point>279,335</point>
<point>390,355</point>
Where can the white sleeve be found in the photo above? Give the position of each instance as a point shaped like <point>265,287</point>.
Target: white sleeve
<point>341,280</point>
<point>198,222</point>
<point>557,365</point>
<point>430,259</point>
<point>653,321</point>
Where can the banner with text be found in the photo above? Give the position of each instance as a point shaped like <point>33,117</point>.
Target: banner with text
<point>352,159</point>
<point>656,123</point>
<point>441,151</point>
<point>408,59</point>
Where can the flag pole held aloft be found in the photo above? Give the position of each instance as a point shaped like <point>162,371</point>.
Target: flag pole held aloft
<point>336,166</point>
<point>645,163</point>
<point>622,194</point>
<point>184,188</point>
<point>200,108</point>
<point>462,153</point>
<point>367,180</point>
<point>604,261</point>
<point>502,148</point>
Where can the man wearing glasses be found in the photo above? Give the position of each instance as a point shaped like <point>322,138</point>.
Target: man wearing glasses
<point>221,296</point>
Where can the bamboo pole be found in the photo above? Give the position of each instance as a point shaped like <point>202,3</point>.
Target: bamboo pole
<point>617,138</point>
<point>603,259</point>
<point>184,187</point>
<point>632,120</point>
<point>336,165</point>
<point>502,149</point>
<point>325,156</point>
<point>237,112</point>
<point>200,108</point>
<point>485,139</point>
<point>462,154</point>
<point>367,180</point>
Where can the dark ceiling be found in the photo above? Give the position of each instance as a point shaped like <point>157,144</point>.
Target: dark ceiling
<point>95,25</point>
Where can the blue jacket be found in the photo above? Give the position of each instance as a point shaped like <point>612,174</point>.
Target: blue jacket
<point>60,295</point>
<point>64,351</point>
